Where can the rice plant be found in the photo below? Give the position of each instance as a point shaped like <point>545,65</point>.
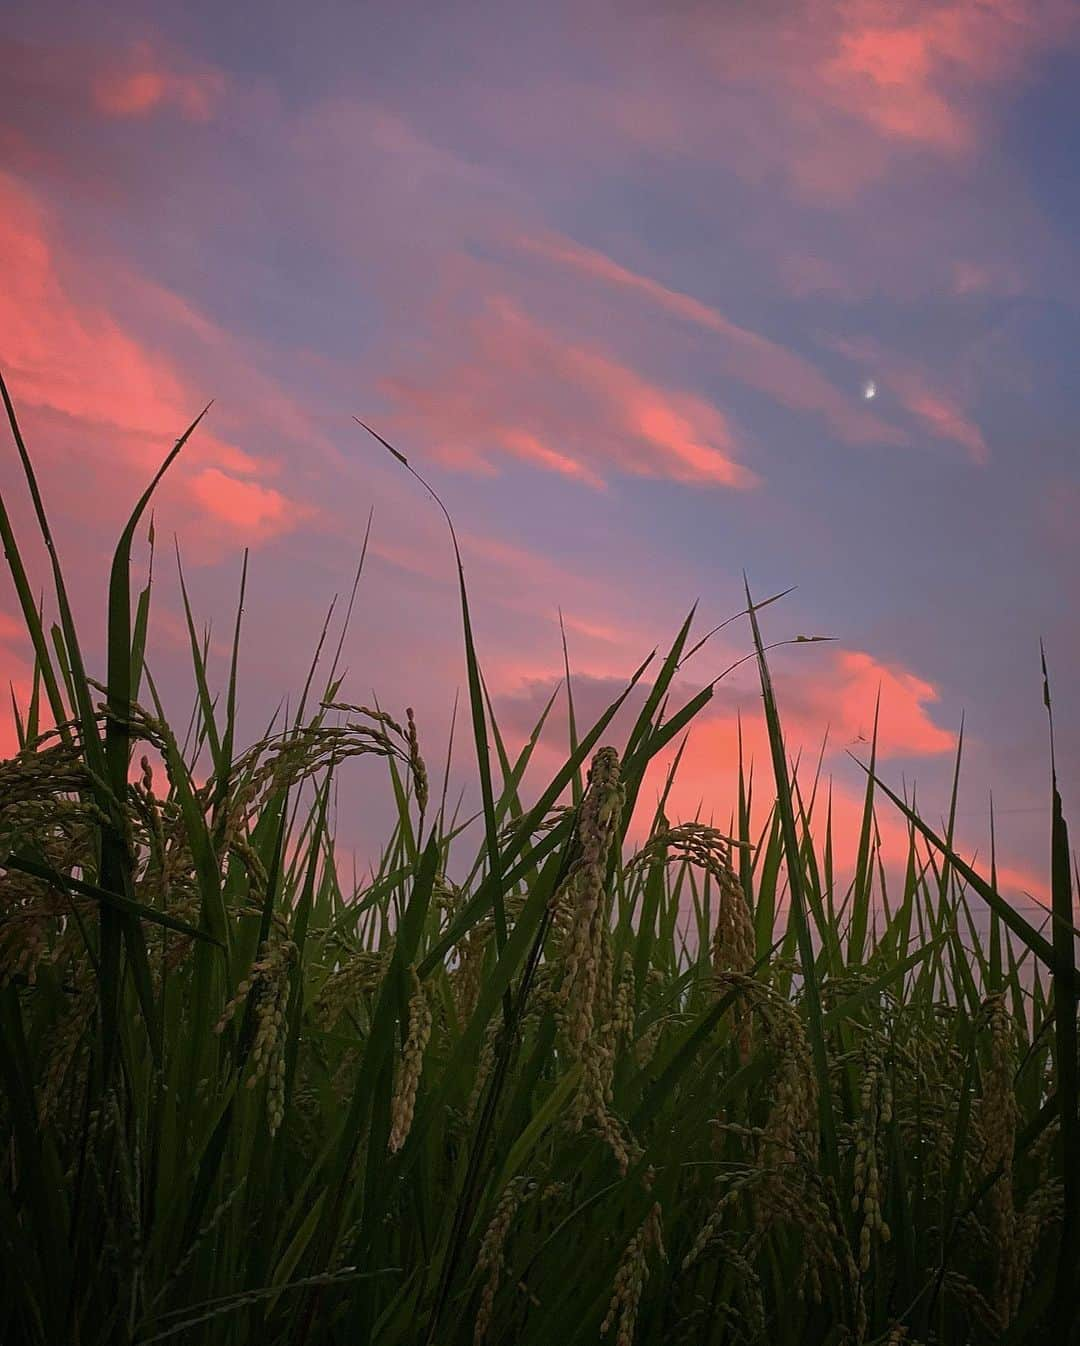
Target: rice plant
<point>686,1092</point>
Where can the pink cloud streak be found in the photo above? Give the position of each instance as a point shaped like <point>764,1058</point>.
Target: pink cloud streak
<point>522,390</point>
<point>749,357</point>
<point>69,358</point>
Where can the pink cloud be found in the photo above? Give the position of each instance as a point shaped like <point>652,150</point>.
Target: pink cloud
<point>257,512</point>
<point>831,93</point>
<point>1023,879</point>
<point>530,448</point>
<point>942,416</point>
<point>68,358</point>
<point>837,694</point>
<point>827,690</point>
<point>144,82</point>
<point>521,585</point>
<point>604,626</point>
<point>517,389</point>
<point>749,357</point>
<point>832,690</point>
<point>52,346</point>
<point>884,77</point>
<point>908,73</point>
<point>707,782</point>
<point>71,83</point>
<point>603,632</point>
<point>844,696</point>
<point>918,393</point>
<point>835,689</point>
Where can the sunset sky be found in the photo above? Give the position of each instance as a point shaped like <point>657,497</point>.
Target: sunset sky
<point>616,278</point>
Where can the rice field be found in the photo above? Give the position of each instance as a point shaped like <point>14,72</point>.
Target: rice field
<point>688,1091</point>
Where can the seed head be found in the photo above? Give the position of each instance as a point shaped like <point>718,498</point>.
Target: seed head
<point>412,1063</point>
<point>630,1278</point>
<point>491,1257</point>
<point>416,762</point>
<point>268,986</point>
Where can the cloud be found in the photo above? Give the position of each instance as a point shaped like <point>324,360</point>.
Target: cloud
<point>883,76</point>
<point>95,382</point>
<point>752,359</point>
<point>942,416</point>
<point>515,389</point>
<point>837,695</point>
<point>134,81</point>
<point>116,124</point>
<point>831,96</point>
<point>257,512</point>
<point>143,82</point>
<point>842,696</point>
<point>60,96</point>
<point>57,351</point>
<point>918,393</point>
<point>909,74</point>
<point>832,690</point>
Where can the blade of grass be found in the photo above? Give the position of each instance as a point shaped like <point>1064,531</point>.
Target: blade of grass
<point>1065,1038</point>
<point>816,1026</point>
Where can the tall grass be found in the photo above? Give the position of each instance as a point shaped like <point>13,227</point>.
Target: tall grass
<point>245,1102</point>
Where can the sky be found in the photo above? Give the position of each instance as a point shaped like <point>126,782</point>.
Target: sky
<point>618,279</point>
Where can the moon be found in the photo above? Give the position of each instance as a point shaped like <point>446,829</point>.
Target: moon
<point>869,390</point>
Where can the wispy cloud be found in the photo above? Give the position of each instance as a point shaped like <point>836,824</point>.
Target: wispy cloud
<point>920,394</point>
<point>144,80</point>
<point>508,387</point>
<point>102,79</point>
<point>909,74</point>
<point>747,356</point>
<point>68,358</point>
<point>831,95</point>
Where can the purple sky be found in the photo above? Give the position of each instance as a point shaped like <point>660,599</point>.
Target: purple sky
<point>616,278</point>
